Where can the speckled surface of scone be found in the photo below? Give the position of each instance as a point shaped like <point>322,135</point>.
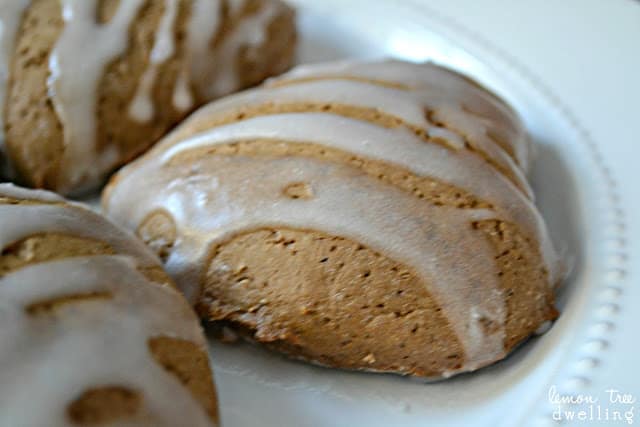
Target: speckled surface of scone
<point>369,216</point>
<point>92,330</point>
<point>84,94</point>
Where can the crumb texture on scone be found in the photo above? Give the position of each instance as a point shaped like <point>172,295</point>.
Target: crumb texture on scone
<point>359,215</point>
<point>87,85</point>
<point>92,331</point>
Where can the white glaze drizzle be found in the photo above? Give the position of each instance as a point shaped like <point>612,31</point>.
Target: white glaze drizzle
<point>10,17</point>
<point>423,76</point>
<point>429,77</point>
<point>212,71</point>
<point>15,192</point>
<point>407,105</point>
<point>222,75</point>
<point>76,65</point>
<point>182,97</point>
<point>216,196</point>
<point>141,108</point>
<point>203,25</point>
<point>396,146</point>
<point>48,362</point>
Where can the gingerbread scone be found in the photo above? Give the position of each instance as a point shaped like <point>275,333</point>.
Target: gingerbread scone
<point>92,331</point>
<point>87,85</point>
<point>370,216</point>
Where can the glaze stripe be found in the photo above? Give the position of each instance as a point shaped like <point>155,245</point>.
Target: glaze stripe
<point>141,107</point>
<point>426,77</point>
<point>76,66</point>
<point>407,108</point>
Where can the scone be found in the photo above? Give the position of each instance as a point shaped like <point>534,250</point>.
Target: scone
<point>87,85</point>
<point>357,215</point>
<point>92,331</point>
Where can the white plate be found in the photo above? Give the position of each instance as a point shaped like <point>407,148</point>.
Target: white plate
<point>576,191</point>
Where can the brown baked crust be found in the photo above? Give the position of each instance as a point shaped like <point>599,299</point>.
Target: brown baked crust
<point>328,300</point>
<point>103,405</point>
<point>34,133</point>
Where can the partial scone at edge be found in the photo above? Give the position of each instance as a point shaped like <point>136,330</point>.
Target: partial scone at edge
<point>374,242</point>
<point>74,112</point>
<point>89,305</point>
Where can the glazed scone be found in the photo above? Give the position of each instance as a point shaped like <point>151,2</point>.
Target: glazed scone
<point>87,85</point>
<point>92,331</point>
<point>358,215</point>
